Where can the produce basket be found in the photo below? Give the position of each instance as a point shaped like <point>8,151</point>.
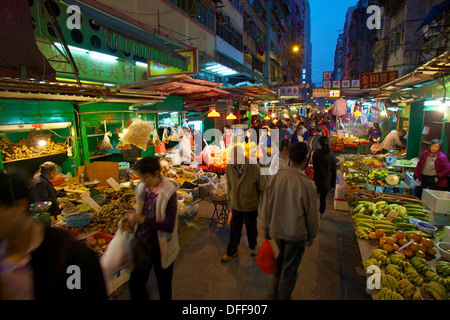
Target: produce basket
<point>361,195</point>
<point>78,220</point>
<point>337,148</point>
<point>189,172</point>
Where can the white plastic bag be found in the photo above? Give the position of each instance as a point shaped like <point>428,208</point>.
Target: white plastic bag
<point>117,255</point>
<point>165,136</point>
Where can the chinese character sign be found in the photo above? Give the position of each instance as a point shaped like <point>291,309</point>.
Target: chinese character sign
<point>375,80</point>
<point>345,83</point>
<point>336,83</point>
<point>327,75</point>
<point>292,91</point>
<point>327,84</point>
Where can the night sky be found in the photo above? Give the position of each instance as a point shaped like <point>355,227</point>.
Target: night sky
<point>327,21</point>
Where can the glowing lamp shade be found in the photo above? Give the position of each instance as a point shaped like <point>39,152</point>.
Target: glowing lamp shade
<point>213,113</point>
<point>357,113</point>
<point>267,117</point>
<point>231,116</point>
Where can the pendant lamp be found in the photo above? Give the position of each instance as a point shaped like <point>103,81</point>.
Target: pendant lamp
<point>231,116</point>
<point>213,113</point>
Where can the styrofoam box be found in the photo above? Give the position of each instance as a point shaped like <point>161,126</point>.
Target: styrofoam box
<point>341,205</point>
<point>340,189</point>
<point>122,276</point>
<point>436,200</point>
<point>409,180</point>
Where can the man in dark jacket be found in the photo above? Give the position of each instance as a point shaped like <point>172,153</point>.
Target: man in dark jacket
<point>38,262</point>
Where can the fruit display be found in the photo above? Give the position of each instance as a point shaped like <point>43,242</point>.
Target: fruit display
<point>36,144</point>
<point>402,251</point>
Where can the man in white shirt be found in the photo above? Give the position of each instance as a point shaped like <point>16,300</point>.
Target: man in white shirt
<point>393,140</point>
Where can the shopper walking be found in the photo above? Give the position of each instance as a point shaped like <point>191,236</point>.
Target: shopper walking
<point>281,159</point>
<point>156,239</point>
<point>290,218</point>
<point>39,262</point>
<point>433,169</point>
<point>245,188</point>
<point>43,190</point>
<point>313,140</point>
<point>324,164</point>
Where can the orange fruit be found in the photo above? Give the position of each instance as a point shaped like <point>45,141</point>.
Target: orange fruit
<point>420,254</point>
<point>395,247</point>
<point>388,247</point>
<point>379,233</point>
<point>431,251</point>
<point>400,234</point>
<point>422,247</point>
<point>414,247</point>
<point>382,242</point>
<point>373,235</point>
<point>427,243</point>
<point>417,236</point>
<point>395,238</point>
<point>409,253</point>
<point>402,241</point>
<point>390,240</point>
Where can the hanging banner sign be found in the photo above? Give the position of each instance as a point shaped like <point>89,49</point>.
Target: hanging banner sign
<point>156,69</point>
<point>336,84</point>
<point>321,93</point>
<point>375,80</point>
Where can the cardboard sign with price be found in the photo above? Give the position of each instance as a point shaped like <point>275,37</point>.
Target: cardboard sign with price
<point>86,198</point>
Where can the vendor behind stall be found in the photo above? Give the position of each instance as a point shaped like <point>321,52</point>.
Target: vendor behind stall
<point>42,189</point>
<point>374,134</point>
<point>393,140</point>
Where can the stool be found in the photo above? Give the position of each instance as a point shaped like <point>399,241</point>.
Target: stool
<point>220,214</point>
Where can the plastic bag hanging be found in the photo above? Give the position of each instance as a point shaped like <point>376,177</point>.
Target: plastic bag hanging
<point>106,142</point>
<point>165,136</point>
<point>138,133</point>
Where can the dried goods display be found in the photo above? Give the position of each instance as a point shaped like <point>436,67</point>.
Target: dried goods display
<point>36,144</point>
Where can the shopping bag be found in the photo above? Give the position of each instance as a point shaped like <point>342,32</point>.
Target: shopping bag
<point>266,258</point>
<point>160,148</point>
<point>309,170</point>
<point>138,133</point>
<point>375,148</point>
<point>118,254</point>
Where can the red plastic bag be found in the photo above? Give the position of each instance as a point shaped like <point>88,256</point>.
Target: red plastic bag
<point>266,258</point>
<point>160,148</point>
<point>309,171</point>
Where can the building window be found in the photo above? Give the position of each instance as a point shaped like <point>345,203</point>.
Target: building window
<point>230,35</point>
<point>198,10</point>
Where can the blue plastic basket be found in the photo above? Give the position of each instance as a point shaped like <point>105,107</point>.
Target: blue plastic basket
<point>78,220</point>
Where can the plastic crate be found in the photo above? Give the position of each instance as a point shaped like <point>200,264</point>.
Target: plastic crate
<point>436,200</point>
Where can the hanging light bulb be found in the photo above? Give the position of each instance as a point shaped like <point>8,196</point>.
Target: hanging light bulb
<point>231,116</point>
<point>42,143</point>
<point>213,113</point>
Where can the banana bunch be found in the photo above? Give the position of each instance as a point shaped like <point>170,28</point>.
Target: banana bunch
<point>372,261</point>
<point>389,282</point>
<point>417,295</point>
<point>397,207</point>
<point>388,294</point>
<point>420,264</point>
<point>406,288</point>
<point>413,276</point>
<point>443,267</point>
<point>398,260</point>
<point>362,232</point>
<point>433,276</point>
<point>381,256</point>
<point>365,207</point>
<point>436,290</point>
<point>395,271</point>
<point>417,211</point>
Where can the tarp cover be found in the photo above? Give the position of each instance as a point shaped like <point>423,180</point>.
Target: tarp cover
<point>19,44</point>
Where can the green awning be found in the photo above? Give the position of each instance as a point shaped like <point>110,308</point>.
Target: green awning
<point>433,90</point>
